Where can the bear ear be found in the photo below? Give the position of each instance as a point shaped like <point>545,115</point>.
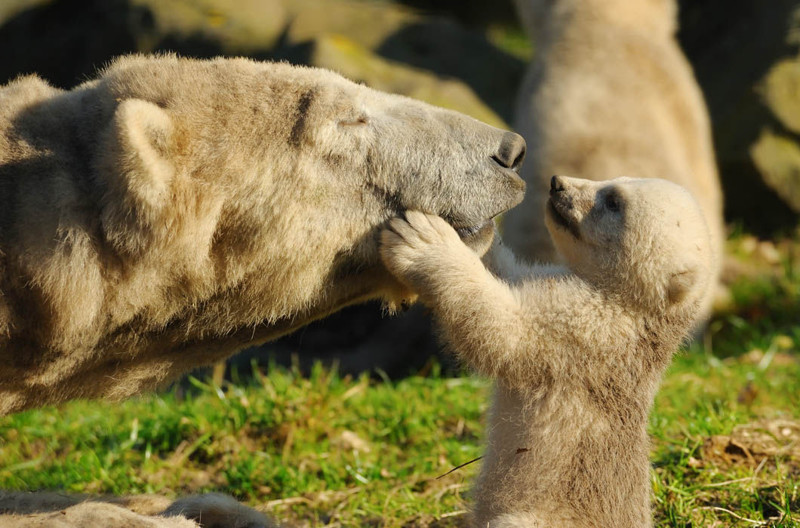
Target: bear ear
<point>142,133</point>
<point>680,284</point>
<point>136,168</point>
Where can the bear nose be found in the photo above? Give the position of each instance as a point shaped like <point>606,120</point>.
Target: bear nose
<point>511,152</point>
<point>556,185</point>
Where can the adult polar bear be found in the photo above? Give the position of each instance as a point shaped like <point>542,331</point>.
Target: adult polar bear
<point>173,211</point>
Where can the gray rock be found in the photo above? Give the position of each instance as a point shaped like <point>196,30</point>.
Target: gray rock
<point>67,41</point>
<point>733,46</point>
<point>781,93</point>
<point>777,158</point>
<point>343,55</point>
<point>435,44</point>
<point>366,23</point>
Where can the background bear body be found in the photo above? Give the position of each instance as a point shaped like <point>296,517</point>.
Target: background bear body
<point>609,94</point>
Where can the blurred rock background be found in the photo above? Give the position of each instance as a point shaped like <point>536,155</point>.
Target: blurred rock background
<point>745,56</point>
<point>468,55</point>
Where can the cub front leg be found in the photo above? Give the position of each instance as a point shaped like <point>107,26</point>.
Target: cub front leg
<point>479,315</point>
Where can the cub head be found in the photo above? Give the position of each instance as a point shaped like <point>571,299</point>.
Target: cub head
<point>645,240</point>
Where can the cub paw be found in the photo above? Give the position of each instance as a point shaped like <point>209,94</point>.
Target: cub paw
<point>414,245</point>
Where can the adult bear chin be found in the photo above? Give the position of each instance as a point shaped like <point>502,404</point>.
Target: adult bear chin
<point>478,238</point>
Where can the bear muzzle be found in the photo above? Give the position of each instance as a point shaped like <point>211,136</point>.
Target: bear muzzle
<point>560,207</point>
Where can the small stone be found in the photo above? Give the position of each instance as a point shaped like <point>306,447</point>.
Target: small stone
<point>768,252</point>
<point>783,342</point>
<point>777,158</point>
<point>350,441</point>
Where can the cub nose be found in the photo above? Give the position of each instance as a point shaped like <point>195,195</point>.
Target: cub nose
<point>511,152</point>
<point>556,185</point>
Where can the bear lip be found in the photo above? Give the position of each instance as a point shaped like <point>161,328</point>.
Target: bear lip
<point>474,233</point>
<point>466,232</point>
<point>561,220</point>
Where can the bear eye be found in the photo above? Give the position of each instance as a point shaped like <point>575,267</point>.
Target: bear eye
<point>612,202</point>
<point>361,120</point>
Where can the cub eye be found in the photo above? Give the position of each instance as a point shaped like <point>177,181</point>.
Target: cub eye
<point>612,202</point>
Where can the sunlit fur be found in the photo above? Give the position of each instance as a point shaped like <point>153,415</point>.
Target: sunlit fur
<point>174,211</point>
<point>608,94</point>
<point>56,510</point>
<point>576,352</point>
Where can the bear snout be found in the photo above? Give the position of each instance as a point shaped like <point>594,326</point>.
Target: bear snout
<point>556,185</point>
<point>511,152</point>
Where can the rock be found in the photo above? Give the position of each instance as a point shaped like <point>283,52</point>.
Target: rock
<point>366,23</point>
<point>777,158</point>
<point>473,13</point>
<point>244,27</point>
<point>437,45</point>
<point>11,8</point>
<point>345,56</point>
<point>781,93</point>
<point>445,47</point>
<point>67,41</point>
<point>777,155</point>
<point>739,50</point>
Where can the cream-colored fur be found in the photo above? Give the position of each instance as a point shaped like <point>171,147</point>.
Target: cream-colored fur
<point>577,352</point>
<point>174,211</point>
<point>91,514</point>
<point>211,510</point>
<point>608,94</point>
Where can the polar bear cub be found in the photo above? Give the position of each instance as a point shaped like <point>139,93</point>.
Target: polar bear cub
<point>577,352</point>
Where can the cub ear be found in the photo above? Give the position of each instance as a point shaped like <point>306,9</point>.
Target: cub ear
<point>137,168</point>
<point>680,284</point>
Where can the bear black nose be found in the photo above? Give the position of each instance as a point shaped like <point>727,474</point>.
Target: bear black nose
<point>556,185</point>
<point>511,152</point>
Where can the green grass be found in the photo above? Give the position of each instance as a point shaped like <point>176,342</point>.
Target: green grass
<point>326,449</point>
<point>279,437</point>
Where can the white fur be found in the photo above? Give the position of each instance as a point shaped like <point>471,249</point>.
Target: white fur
<point>577,352</point>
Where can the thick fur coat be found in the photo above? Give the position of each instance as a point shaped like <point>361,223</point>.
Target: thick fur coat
<point>54,510</point>
<point>609,94</point>
<point>577,352</point>
<point>174,211</point>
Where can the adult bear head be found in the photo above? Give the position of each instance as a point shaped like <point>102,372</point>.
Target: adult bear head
<point>301,161</point>
<point>184,209</point>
